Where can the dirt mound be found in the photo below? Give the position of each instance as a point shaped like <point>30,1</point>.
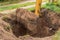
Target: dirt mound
<point>5,32</point>
<point>4,35</point>
<point>29,23</point>
<point>23,22</point>
<point>19,19</point>
<point>1,14</point>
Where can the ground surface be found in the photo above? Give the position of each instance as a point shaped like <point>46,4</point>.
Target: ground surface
<point>18,26</point>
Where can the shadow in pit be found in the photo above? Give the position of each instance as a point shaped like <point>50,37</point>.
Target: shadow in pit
<point>18,29</point>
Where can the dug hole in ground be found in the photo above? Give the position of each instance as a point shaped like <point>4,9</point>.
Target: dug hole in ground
<point>21,23</point>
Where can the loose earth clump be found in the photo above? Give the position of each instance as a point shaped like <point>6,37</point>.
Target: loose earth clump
<point>24,22</point>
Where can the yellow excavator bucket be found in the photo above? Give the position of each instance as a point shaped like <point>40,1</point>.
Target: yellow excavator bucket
<point>38,7</point>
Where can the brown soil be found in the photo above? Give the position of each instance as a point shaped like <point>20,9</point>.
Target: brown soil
<point>22,23</point>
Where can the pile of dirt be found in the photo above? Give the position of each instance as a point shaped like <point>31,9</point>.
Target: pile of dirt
<point>23,22</point>
<point>5,33</point>
<point>1,14</point>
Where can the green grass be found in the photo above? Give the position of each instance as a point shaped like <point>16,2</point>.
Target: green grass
<point>48,6</point>
<point>31,9</point>
<point>16,6</point>
<point>52,7</point>
<point>7,2</point>
<point>57,36</point>
<point>58,2</point>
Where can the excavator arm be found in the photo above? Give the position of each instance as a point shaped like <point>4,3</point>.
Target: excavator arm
<point>38,7</point>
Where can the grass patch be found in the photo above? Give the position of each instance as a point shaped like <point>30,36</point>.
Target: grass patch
<point>48,6</point>
<point>7,2</point>
<point>16,6</point>
<point>31,9</point>
<point>57,35</point>
<point>52,7</point>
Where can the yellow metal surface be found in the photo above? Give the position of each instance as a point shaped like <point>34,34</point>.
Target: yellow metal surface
<point>38,7</point>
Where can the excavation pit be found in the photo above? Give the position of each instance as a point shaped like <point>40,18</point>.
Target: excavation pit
<point>24,22</point>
